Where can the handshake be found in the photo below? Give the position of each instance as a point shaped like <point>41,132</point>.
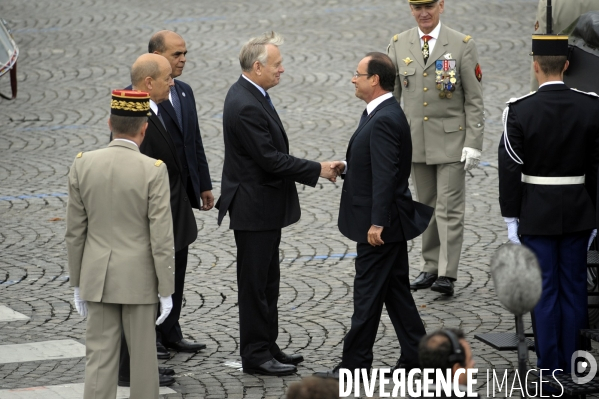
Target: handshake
<point>330,170</point>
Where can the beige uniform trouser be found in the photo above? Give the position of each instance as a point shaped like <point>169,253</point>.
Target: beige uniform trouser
<point>103,345</point>
<point>443,187</point>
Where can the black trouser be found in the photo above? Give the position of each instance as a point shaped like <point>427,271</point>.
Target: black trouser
<point>169,330</point>
<point>258,276</point>
<point>382,278</point>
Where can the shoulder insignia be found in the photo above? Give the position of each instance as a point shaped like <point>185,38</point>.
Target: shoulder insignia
<point>516,99</point>
<point>395,38</point>
<point>158,163</point>
<point>80,155</point>
<point>588,93</point>
<point>467,39</point>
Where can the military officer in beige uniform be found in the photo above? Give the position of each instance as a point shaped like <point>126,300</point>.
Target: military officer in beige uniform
<point>564,13</point>
<point>120,251</point>
<point>439,78</point>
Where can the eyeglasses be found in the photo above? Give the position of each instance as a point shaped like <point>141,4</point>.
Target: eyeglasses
<point>357,75</point>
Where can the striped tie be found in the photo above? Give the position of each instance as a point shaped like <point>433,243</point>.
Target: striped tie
<point>177,106</point>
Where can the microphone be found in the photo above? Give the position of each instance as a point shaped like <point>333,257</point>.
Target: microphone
<point>517,278</point>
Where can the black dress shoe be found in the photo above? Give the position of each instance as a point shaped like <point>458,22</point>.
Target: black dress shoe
<point>444,285</point>
<point>271,367</point>
<point>162,352</point>
<point>165,371</point>
<point>329,373</point>
<point>405,366</point>
<point>185,346</point>
<point>163,381</point>
<point>424,280</point>
<point>284,358</point>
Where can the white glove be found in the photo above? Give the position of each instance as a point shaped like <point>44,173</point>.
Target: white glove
<point>166,305</point>
<point>471,156</point>
<point>80,304</point>
<point>512,230</point>
<point>591,238</point>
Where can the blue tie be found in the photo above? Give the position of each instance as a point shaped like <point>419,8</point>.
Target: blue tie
<point>160,117</point>
<point>177,106</point>
<point>363,118</point>
<point>269,101</point>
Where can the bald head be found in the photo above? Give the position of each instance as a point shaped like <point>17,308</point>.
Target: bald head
<point>171,46</point>
<point>152,73</point>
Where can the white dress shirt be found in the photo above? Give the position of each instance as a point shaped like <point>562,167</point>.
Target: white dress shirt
<point>434,34</point>
<point>552,82</point>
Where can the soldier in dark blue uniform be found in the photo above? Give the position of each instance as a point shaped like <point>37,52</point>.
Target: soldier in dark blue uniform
<point>548,158</point>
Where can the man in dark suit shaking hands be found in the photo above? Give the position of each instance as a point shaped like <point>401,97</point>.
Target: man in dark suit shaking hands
<point>258,191</point>
<point>377,211</point>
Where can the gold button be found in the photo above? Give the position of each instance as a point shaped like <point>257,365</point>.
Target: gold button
<point>425,104</point>
<point>426,89</point>
<point>426,118</point>
<point>405,73</point>
<point>425,74</point>
<point>461,128</point>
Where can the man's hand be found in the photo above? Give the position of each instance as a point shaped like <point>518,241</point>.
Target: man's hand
<point>374,236</point>
<point>80,304</point>
<point>512,230</point>
<point>339,166</point>
<point>328,172</point>
<point>471,156</point>
<point>207,200</point>
<point>166,305</point>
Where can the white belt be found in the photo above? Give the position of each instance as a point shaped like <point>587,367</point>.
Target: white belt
<point>552,181</point>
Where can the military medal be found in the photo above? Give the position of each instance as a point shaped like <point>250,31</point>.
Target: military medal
<point>405,82</point>
<point>442,94</point>
<point>453,80</point>
<point>449,95</point>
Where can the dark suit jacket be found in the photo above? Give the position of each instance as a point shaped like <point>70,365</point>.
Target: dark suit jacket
<point>375,189</point>
<point>258,182</point>
<point>188,141</point>
<point>158,144</point>
<point>555,133</point>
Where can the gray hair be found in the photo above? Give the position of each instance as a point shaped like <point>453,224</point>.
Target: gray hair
<point>255,49</point>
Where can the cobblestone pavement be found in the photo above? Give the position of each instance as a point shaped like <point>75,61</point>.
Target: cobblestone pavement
<point>74,52</point>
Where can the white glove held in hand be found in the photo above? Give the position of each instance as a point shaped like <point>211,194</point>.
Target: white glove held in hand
<point>166,305</point>
<point>471,156</point>
<point>80,304</point>
<point>591,238</point>
<point>512,230</point>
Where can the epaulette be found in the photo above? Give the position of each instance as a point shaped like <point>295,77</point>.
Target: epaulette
<point>395,38</point>
<point>516,99</point>
<point>80,154</point>
<point>467,38</point>
<point>158,163</point>
<point>588,93</point>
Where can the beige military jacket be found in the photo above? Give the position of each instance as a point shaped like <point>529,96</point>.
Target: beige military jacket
<point>441,128</point>
<point>564,13</point>
<point>119,226</point>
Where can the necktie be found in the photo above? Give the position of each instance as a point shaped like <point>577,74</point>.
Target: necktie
<point>160,117</point>
<point>363,118</point>
<point>269,101</point>
<point>177,106</point>
<point>425,49</point>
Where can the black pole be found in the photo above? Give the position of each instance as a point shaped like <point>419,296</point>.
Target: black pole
<point>549,19</point>
<point>522,351</point>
